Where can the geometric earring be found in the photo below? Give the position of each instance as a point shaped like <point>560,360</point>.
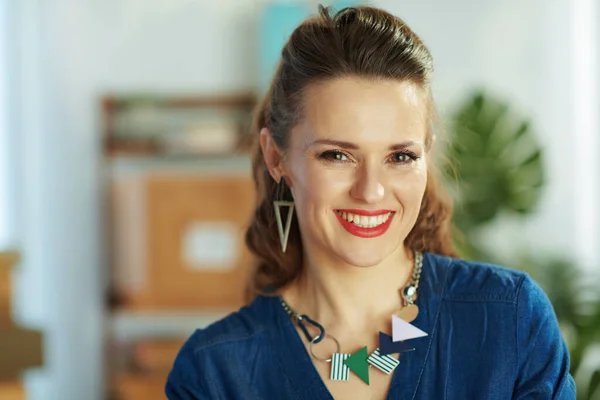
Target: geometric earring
<point>284,232</point>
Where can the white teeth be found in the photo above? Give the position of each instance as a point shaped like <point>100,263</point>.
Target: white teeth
<point>363,221</point>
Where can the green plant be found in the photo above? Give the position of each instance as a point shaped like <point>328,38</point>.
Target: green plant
<point>495,161</point>
<point>496,168</point>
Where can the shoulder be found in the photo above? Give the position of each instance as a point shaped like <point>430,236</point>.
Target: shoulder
<point>521,317</point>
<point>225,345</point>
<point>243,325</point>
<point>476,282</point>
<point>237,326</point>
<point>467,280</point>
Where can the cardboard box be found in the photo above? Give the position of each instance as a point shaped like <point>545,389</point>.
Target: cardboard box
<point>20,349</point>
<point>156,355</point>
<point>139,387</point>
<point>5,297</point>
<point>179,240</point>
<point>8,261</point>
<point>12,391</point>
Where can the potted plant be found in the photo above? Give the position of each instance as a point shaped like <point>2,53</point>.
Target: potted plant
<point>495,168</point>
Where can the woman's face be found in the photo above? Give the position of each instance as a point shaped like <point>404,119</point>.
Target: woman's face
<point>357,167</point>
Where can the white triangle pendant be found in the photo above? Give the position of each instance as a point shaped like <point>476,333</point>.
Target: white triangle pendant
<point>402,330</point>
<point>284,233</point>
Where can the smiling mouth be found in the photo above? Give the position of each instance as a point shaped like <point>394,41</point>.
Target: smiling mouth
<point>365,221</point>
<point>365,224</point>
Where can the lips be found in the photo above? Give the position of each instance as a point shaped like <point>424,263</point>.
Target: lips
<point>365,223</point>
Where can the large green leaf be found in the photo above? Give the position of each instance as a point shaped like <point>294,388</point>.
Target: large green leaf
<point>497,159</point>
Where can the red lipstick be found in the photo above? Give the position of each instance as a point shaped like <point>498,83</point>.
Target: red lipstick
<point>365,232</point>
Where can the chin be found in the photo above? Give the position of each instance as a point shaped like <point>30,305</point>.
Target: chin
<point>365,257</point>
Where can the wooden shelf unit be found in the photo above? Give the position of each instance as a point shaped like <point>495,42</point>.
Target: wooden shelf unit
<point>152,202</point>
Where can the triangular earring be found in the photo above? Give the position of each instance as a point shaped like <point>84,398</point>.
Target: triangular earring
<point>279,203</point>
<point>284,234</point>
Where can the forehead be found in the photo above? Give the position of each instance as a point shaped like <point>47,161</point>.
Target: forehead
<point>364,111</point>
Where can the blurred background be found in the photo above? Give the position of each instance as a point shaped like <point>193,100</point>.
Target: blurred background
<point>125,184</point>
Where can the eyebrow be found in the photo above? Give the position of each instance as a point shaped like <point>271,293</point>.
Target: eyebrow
<point>352,146</point>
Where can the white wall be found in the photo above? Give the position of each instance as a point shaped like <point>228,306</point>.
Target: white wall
<point>586,128</point>
<point>521,51</point>
<point>70,51</point>
<point>6,235</point>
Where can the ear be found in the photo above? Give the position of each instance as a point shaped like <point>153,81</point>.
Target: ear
<point>271,154</point>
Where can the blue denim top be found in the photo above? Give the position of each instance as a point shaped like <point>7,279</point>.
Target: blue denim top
<point>493,334</point>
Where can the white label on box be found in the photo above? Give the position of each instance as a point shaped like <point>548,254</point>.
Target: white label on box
<point>210,246</point>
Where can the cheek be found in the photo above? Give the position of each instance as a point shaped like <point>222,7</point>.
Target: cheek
<point>316,185</point>
<point>319,189</point>
<point>409,189</point>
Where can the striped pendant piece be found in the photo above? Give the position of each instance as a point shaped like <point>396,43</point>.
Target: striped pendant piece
<point>385,363</point>
<point>339,370</point>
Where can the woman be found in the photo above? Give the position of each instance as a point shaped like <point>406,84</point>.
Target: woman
<point>357,293</point>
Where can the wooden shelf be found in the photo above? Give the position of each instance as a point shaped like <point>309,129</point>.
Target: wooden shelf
<point>176,171</point>
<point>131,325</point>
<point>127,165</point>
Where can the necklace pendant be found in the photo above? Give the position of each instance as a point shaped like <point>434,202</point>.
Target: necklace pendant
<point>358,364</point>
<point>409,313</point>
<point>388,346</point>
<point>402,330</point>
<point>384,363</point>
<point>339,370</point>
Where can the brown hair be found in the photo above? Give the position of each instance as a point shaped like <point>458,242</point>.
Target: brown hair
<point>358,41</point>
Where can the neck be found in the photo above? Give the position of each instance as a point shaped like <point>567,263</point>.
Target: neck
<point>338,295</point>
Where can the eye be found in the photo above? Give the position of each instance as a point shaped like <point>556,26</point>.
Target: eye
<point>404,157</point>
<point>334,155</point>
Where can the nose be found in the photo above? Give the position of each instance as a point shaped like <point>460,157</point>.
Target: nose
<point>368,187</point>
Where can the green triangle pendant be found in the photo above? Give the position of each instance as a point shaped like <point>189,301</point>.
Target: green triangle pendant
<point>358,364</point>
